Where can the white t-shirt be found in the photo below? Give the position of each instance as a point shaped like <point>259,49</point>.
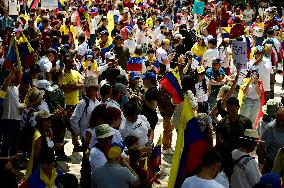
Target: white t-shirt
<point>196,182</point>
<point>45,66</point>
<point>209,55</point>
<point>97,158</point>
<point>11,104</point>
<point>138,129</point>
<point>201,95</point>
<point>93,26</point>
<point>222,179</point>
<point>264,70</point>
<point>246,173</point>
<point>160,37</point>
<point>247,15</point>
<point>131,45</point>
<point>161,56</point>
<point>82,49</point>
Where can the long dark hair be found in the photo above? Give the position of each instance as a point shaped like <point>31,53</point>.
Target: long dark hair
<point>204,85</point>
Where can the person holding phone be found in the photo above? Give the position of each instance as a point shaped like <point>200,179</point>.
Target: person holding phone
<point>252,89</point>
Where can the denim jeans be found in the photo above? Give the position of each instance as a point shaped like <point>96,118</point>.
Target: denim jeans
<point>250,108</point>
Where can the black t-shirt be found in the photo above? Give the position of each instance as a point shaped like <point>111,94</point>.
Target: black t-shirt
<point>151,95</point>
<point>231,131</point>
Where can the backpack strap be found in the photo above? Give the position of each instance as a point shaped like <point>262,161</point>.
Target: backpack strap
<point>235,162</point>
<point>87,101</point>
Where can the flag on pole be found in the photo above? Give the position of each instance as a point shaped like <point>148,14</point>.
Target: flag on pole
<point>13,59</point>
<point>190,146</point>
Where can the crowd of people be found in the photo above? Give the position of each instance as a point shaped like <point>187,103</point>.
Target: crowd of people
<point>94,68</point>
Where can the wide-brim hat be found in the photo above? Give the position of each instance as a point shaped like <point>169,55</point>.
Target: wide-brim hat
<point>42,115</point>
<point>104,131</point>
<point>34,96</point>
<point>250,134</point>
<point>91,82</point>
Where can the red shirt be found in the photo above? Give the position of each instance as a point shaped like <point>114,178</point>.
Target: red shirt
<point>128,4</point>
<point>212,27</point>
<point>236,31</point>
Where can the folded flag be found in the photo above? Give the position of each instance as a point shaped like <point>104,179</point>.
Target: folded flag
<point>172,85</point>
<point>135,63</point>
<point>190,146</point>
<point>155,160</point>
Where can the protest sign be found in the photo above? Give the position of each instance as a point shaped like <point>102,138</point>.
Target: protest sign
<point>198,7</point>
<point>49,4</point>
<point>239,53</point>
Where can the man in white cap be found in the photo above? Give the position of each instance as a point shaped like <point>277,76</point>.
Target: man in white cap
<point>99,152</point>
<point>245,170</point>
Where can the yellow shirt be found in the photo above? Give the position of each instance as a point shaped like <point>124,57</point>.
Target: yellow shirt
<point>38,19</point>
<point>150,23</point>
<point>198,50</point>
<point>73,77</point>
<point>65,31</point>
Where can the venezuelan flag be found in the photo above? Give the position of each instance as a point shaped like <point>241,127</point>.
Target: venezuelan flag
<point>13,59</point>
<point>152,165</point>
<point>135,63</point>
<point>171,84</point>
<point>33,3</point>
<point>25,51</point>
<point>190,147</point>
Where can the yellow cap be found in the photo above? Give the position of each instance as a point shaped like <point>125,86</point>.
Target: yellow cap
<point>166,41</point>
<point>114,152</point>
<point>200,69</point>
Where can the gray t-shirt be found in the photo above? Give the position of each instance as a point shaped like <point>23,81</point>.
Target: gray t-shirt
<point>112,175</point>
<point>274,140</point>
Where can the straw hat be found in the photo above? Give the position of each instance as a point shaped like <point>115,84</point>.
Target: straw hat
<point>42,115</point>
<point>271,107</point>
<point>250,134</point>
<point>91,82</point>
<point>33,96</point>
<point>223,89</point>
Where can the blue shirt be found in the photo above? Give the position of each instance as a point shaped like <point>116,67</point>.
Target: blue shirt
<point>218,75</point>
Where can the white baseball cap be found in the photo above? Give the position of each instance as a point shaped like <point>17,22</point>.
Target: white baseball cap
<point>44,84</point>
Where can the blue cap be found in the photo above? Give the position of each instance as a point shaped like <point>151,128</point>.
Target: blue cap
<point>271,179</point>
<point>217,60</point>
<point>254,68</point>
<point>89,53</point>
<point>133,75</point>
<point>149,76</point>
<point>104,32</point>
<point>259,48</point>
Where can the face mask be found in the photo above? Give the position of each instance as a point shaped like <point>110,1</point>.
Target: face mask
<point>124,100</point>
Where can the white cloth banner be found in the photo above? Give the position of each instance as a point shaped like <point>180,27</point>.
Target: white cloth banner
<point>49,4</point>
<point>239,53</point>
